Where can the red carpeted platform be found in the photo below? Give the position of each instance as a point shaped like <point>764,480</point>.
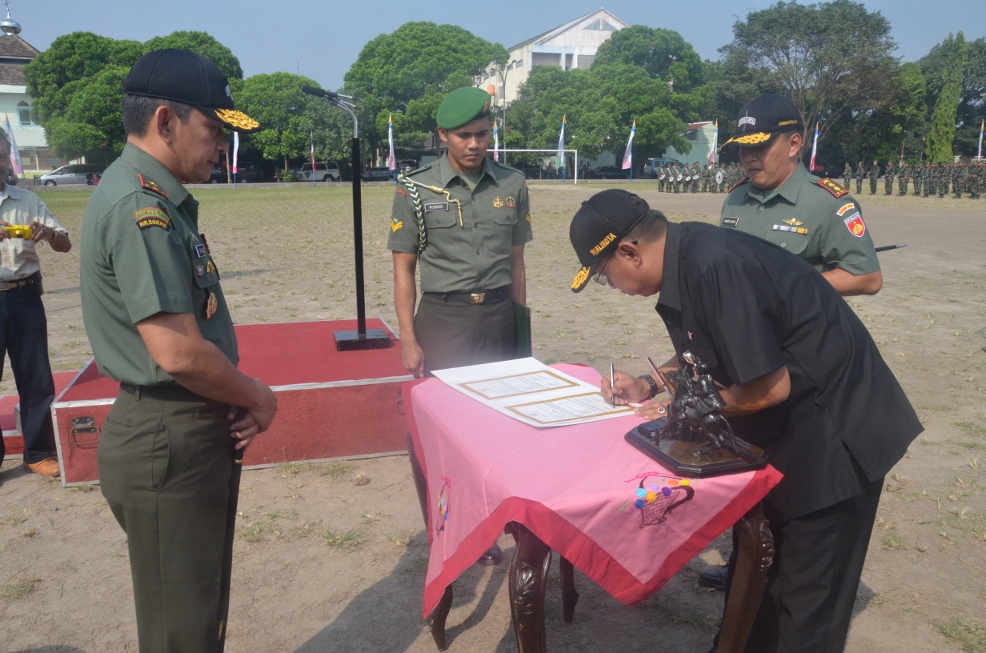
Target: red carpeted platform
<point>12,439</point>
<point>331,404</point>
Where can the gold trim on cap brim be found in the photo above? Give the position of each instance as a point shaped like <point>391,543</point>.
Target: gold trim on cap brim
<point>757,138</point>
<point>581,278</point>
<point>237,120</point>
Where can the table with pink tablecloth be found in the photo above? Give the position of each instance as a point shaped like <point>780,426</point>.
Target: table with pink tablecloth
<point>616,514</point>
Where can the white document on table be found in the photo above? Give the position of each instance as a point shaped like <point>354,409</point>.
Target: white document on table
<point>529,391</point>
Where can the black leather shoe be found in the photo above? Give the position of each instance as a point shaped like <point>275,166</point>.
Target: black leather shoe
<point>493,556</point>
<point>714,579</point>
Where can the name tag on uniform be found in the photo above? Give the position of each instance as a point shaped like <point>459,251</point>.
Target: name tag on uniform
<point>730,222</point>
<point>436,206</point>
<point>793,230</point>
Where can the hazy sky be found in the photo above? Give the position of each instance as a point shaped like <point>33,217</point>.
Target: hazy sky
<point>322,38</point>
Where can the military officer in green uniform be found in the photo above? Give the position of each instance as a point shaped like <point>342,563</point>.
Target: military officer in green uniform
<point>860,173</point>
<point>846,175</point>
<point>874,175</point>
<point>944,179</point>
<point>903,176</point>
<point>888,179</point>
<point>158,323</point>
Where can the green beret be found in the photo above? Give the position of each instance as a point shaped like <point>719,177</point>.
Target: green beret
<point>463,105</point>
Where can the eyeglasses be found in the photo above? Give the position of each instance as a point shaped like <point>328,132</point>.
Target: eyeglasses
<point>600,276</point>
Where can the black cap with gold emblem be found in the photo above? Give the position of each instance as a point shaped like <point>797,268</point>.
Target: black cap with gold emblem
<point>763,118</point>
<point>599,226</point>
<point>186,77</point>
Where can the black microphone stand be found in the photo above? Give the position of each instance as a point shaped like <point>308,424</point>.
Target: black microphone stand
<point>361,338</point>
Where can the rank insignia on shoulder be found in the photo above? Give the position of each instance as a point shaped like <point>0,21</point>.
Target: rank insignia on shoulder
<point>793,230</point>
<point>511,202</point>
<point>400,191</point>
<point>211,305</point>
<point>395,225</point>
<point>152,216</point>
<point>497,203</point>
<point>794,222</point>
<point>151,185</point>
<point>845,207</point>
<point>730,222</point>
<point>832,187</point>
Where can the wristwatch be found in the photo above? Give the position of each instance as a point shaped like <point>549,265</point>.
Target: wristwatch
<point>654,389</point>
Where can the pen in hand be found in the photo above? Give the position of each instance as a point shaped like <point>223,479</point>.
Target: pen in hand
<point>612,384</point>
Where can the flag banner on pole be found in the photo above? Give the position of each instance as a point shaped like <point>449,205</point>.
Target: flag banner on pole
<point>236,149</point>
<point>496,142</point>
<point>313,153</point>
<point>628,155</point>
<point>715,144</point>
<point>814,149</point>
<point>979,156</point>
<point>561,144</point>
<point>15,154</point>
<point>391,159</point>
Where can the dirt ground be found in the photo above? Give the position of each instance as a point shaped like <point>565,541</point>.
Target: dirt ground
<point>324,565</point>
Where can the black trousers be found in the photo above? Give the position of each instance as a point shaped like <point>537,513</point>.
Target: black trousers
<point>24,336</point>
<point>453,335</point>
<point>164,469</point>
<point>811,587</point>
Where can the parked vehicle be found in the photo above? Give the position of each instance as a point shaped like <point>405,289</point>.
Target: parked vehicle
<point>650,167</point>
<point>380,173</point>
<point>324,171</point>
<point>609,172</point>
<point>71,174</point>
<point>246,173</point>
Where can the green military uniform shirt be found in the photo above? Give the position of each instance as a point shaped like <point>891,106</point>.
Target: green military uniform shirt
<point>142,254</point>
<point>472,256</point>
<point>813,218</point>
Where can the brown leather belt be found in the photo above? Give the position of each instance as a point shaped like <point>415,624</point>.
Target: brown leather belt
<point>14,285</point>
<point>462,297</point>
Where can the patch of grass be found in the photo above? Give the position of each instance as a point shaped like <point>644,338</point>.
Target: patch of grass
<point>894,542</point>
<point>294,468</point>
<point>967,635</point>
<point>370,516</point>
<point>337,471</point>
<point>349,539</point>
<point>18,590</point>
<point>414,567</point>
<point>400,540</point>
<point>85,487</point>
<point>972,428</point>
<point>12,521</point>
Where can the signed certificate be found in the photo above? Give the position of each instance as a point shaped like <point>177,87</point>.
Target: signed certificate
<point>531,392</point>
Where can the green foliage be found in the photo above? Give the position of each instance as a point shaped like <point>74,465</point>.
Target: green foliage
<point>288,118</point>
<point>948,82</point>
<point>971,107</point>
<point>408,73</point>
<point>663,53</point>
<point>831,59</point>
<point>92,121</point>
<point>201,43</point>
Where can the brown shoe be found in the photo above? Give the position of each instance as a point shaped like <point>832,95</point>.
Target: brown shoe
<point>46,467</point>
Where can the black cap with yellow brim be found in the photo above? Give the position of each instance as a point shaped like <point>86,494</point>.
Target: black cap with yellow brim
<point>598,227</point>
<point>189,78</point>
<point>764,118</point>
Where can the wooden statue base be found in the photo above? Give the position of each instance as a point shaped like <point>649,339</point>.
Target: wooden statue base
<point>694,459</point>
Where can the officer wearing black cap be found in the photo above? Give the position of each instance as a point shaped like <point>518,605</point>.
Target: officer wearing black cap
<point>801,377</point>
<point>158,323</point>
<point>781,202</point>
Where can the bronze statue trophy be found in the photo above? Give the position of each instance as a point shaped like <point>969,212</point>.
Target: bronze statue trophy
<point>695,440</point>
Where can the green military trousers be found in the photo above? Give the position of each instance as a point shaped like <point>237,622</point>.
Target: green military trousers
<point>452,335</point>
<point>165,461</point>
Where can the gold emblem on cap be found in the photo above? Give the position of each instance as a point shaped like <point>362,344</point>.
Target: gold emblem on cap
<point>580,278</point>
<point>237,119</point>
<point>749,139</point>
<point>498,203</point>
<point>794,222</point>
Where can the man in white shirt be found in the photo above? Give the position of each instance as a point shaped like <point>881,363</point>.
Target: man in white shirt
<point>23,325</point>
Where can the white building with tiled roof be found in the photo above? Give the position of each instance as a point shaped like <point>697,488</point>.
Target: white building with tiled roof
<point>568,46</point>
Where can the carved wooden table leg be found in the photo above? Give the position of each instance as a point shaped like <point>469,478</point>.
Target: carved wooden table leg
<point>436,621</point>
<point>528,573</point>
<point>569,596</point>
<point>753,559</point>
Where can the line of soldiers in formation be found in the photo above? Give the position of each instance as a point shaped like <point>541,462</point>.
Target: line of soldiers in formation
<point>929,179</point>
<point>673,178</point>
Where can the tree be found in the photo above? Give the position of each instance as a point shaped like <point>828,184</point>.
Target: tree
<point>663,53</point>
<point>951,73</point>
<point>408,73</point>
<point>201,43</point>
<point>939,66</point>
<point>93,121</point>
<point>831,59</point>
<point>289,119</point>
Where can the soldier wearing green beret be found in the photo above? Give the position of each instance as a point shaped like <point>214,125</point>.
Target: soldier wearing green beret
<point>158,323</point>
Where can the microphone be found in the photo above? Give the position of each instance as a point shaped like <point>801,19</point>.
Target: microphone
<point>318,92</point>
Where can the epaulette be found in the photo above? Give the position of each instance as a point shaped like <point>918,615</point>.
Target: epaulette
<point>421,169</point>
<point>505,166</point>
<point>738,183</point>
<point>151,185</point>
<point>836,189</point>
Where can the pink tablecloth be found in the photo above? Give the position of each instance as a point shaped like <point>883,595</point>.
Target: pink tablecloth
<point>581,489</point>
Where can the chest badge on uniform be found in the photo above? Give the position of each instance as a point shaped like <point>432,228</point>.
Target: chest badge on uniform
<point>794,222</point>
<point>200,270</point>
<point>211,305</point>
<point>855,225</point>
<point>497,203</point>
<point>790,229</point>
<point>200,250</point>
<point>210,267</point>
<point>511,202</point>
<point>151,185</point>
